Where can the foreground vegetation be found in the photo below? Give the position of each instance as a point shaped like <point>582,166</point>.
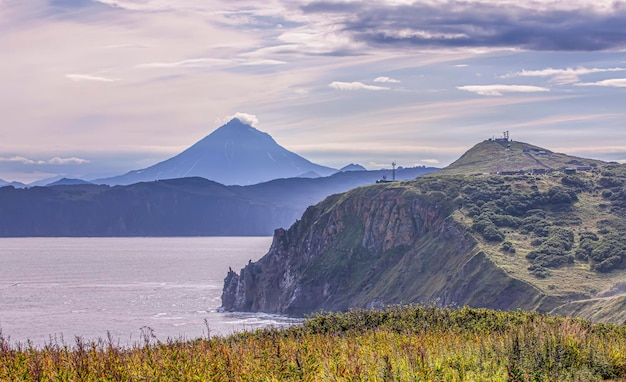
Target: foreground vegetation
<point>395,344</point>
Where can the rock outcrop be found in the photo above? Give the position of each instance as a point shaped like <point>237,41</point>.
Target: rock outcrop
<point>376,245</point>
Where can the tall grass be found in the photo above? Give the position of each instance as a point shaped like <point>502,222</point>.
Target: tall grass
<point>411,343</point>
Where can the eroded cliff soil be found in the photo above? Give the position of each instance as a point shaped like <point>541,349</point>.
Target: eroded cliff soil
<point>376,245</point>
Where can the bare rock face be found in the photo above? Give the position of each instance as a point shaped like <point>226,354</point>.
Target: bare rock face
<point>375,245</point>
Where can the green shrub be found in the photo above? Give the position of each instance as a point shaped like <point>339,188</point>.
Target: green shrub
<point>606,194</point>
<point>581,254</point>
<point>559,195</point>
<point>587,241</point>
<point>608,253</point>
<point>608,264</point>
<point>573,181</point>
<point>539,271</point>
<point>473,211</point>
<point>554,251</point>
<point>535,224</point>
<point>505,220</point>
<point>492,233</point>
<point>609,182</point>
<point>507,246</point>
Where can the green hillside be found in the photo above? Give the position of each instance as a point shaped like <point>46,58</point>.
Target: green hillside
<point>492,157</point>
<point>551,241</point>
<point>560,231</point>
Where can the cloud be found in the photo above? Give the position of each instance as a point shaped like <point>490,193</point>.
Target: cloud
<point>562,76</point>
<point>246,118</point>
<point>62,161</point>
<point>53,161</point>
<point>498,90</point>
<point>615,83</point>
<point>539,26</point>
<point>318,39</point>
<point>354,86</point>
<point>570,119</point>
<point>88,77</point>
<point>19,159</point>
<point>386,79</point>
<point>429,161</point>
<point>210,63</point>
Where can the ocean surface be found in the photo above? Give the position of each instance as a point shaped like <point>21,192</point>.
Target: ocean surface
<point>133,289</point>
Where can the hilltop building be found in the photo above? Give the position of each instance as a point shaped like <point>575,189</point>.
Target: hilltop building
<point>503,138</point>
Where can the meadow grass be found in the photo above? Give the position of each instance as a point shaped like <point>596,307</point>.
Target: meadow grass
<point>399,343</point>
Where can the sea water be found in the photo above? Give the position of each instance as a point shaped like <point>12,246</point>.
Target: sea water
<point>53,290</point>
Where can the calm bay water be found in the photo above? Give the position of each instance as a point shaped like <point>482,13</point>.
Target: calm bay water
<point>67,287</point>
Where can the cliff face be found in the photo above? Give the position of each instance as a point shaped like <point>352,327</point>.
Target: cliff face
<point>372,246</point>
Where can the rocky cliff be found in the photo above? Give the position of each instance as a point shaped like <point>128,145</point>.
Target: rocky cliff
<point>376,245</point>
<point>549,238</point>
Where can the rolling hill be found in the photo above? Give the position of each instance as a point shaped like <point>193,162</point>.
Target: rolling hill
<point>493,156</point>
<point>547,240</point>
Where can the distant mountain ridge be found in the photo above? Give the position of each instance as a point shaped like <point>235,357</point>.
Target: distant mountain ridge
<point>14,184</point>
<point>234,154</point>
<point>353,167</point>
<point>174,207</point>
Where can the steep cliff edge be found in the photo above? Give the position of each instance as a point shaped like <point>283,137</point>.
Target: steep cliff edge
<point>548,239</point>
<point>376,245</point>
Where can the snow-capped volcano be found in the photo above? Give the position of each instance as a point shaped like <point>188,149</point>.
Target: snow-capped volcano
<point>235,153</point>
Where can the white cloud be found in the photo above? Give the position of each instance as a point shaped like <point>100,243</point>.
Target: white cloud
<point>318,39</point>
<point>499,90</point>
<point>54,161</point>
<point>429,161</point>
<point>563,76</point>
<point>88,77</point>
<point>386,79</point>
<point>246,118</point>
<point>354,86</point>
<point>62,161</point>
<point>421,34</point>
<point>552,120</point>
<point>217,63</point>
<point>615,82</point>
<point>20,159</point>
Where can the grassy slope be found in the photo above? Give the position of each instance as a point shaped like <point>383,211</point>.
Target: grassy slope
<point>492,157</point>
<point>443,263</point>
<point>601,295</point>
<point>421,343</point>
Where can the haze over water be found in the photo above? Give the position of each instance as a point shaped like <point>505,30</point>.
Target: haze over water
<point>67,287</point>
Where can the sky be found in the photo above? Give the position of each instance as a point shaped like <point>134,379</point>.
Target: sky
<point>94,88</point>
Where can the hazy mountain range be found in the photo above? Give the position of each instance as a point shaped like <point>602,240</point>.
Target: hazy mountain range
<point>174,207</point>
<point>14,184</point>
<point>235,153</point>
<point>185,195</point>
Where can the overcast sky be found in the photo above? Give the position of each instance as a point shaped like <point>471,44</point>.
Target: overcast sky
<point>97,88</point>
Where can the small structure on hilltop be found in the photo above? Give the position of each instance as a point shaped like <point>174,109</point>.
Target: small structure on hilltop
<point>503,138</point>
<point>584,168</point>
<point>393,175</point>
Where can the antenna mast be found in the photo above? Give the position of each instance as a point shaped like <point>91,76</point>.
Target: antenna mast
<point>393,171</point>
